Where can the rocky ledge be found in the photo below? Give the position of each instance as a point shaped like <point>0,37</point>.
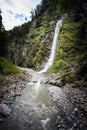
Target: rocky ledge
<point>54,80</point>
<point>10,88</point>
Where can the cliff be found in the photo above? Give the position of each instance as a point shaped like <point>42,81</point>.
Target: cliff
<point>31,43</point>
<point>33,50</point>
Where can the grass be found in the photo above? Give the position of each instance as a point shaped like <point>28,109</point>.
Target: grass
<point>6,68</point>
<point>59,65</point>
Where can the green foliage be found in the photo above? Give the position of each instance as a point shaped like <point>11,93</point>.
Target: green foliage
<point>39,57</point>
<point>71,52</point>
<point>4,39</point>
<point>67,5</point>
<point>59,65</point>
<point>37,33</point>
<point>6,68</point>
<point>19,32</point>
<point>37,37</point>
<point>65,48</point>
<point>60,54</point>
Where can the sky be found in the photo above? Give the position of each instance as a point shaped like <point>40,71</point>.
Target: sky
<point>16,12</point>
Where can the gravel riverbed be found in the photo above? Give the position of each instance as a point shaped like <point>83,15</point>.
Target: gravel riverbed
<point>71,102</point>
<point>72,107</point>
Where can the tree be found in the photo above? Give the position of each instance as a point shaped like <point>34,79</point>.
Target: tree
<point>68,5</point>
<point>32,13</point>
<point>4,38</point>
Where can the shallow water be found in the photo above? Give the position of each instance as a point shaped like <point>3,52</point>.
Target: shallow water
<point>35,109</point>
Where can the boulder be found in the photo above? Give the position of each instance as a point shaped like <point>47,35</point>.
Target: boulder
<point>4,110</point>
<point>54,80</point>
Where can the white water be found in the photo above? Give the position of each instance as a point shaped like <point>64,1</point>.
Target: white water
<point>53,49</point>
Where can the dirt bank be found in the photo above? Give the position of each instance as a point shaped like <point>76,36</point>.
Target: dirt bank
<point>10,87</point>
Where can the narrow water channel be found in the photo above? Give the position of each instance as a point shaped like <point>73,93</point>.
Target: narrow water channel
<point>35,109</point>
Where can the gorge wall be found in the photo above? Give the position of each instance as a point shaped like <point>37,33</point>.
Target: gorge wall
<point>34,48</point>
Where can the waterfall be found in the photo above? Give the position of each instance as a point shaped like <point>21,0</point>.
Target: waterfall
<point>53,49</point>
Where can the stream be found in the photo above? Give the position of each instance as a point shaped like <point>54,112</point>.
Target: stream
<point>36,108</point>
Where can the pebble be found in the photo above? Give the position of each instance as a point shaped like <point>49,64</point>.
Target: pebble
<point>75,109</point>
<point>54,100</point>
<point>34,81</point>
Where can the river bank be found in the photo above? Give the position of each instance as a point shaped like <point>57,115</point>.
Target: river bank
<point>72,107</point>
<point>72,104</point>
<point>62,108</point>
<point>10,87</point>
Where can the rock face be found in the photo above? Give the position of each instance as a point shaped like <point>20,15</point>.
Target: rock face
<point>4,110</point>
<point>34,49</point>
<point>54,80</point>
<point>10,87</point>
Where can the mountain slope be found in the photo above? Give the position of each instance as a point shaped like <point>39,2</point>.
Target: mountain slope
<point>34,49</point>
<point>70,60</point>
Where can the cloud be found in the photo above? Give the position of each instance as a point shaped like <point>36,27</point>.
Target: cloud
<point>16,12</point>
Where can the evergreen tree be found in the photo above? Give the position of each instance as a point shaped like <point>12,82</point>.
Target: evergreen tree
<point>4,38</point>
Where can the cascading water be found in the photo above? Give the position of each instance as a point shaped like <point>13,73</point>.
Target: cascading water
<point>53,49</point>
<point>35,108</point>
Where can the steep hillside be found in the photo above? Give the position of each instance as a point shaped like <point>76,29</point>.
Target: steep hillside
<point>70,59</point>
<point>33,50</point>
<point>6,68</point>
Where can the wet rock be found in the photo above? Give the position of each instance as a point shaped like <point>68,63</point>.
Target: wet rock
<point>76,109</point>
<point>74,125</point>
<point>29,81</point>
<point>52,23</point>
<point>46,81</point>
<point>69,118</point>
<point>1,120</point>
<point>54,80</point>
<point>34,81</point>
<point>61,128</point>
<point>18,94</point>
<point>4,110</point>
<point>54,100</point>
